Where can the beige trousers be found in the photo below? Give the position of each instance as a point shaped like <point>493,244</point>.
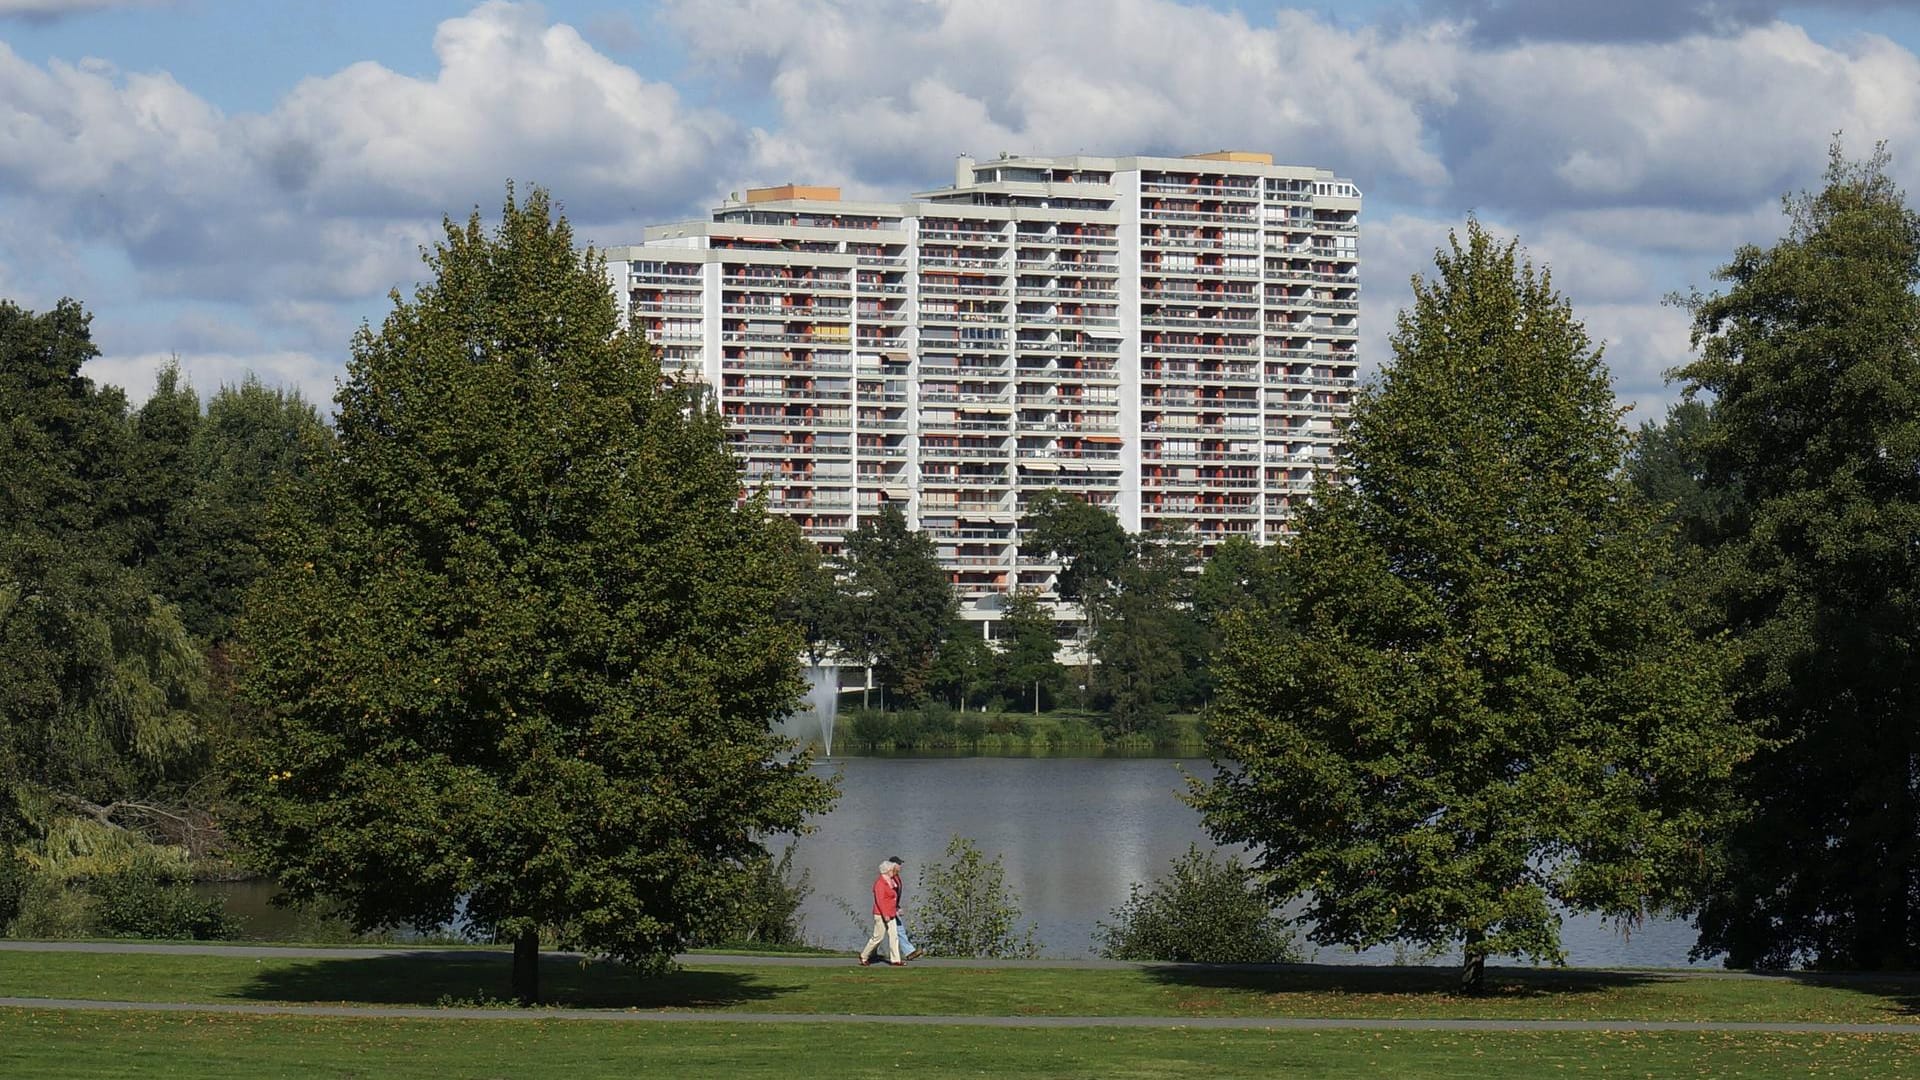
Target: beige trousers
<point>886,930</point>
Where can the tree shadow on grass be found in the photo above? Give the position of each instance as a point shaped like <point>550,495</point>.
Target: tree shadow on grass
<point>1508,984</point>
<point>486,979</point>
<point>1900,993</point>
<point>1900,990</point>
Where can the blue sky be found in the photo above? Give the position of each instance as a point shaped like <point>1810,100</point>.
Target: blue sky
<point>240,184</point>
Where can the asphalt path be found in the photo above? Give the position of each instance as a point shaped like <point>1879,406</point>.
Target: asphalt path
<point>683,1016</point>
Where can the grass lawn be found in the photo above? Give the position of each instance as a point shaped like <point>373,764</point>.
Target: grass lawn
<point>43,1043</point>
<point>481,978</point>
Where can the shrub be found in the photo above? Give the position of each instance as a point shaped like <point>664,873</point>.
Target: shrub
<point>766,911</point>
<point>965,908</point>
<point>971,729</point>
<point>146,900</point>
<point>1010,724</point>
<point>49,910</point>
<point>870,728</point>
<point>1209,910</point>
<point>14,876</point>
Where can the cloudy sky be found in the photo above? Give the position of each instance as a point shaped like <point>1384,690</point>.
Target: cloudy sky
<point>240,184</point>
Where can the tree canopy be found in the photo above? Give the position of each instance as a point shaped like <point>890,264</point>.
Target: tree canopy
<point>517,653</point>
<point>1812,457</point>
<point>898,603</point>
<point>100,685</point>
<point>1471,704</point>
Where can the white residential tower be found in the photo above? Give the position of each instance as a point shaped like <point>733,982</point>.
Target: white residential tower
<point>1172,338</point>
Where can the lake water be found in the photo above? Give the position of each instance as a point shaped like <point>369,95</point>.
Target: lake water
<point>1073,835</point>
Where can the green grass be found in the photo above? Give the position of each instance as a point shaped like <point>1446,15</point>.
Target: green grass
<point>42,1043</point>
<point>929,991</point>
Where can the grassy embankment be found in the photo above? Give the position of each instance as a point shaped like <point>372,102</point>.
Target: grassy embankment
<point>476,977</point>
<point>44,1042</point>
<point>38,1043</point>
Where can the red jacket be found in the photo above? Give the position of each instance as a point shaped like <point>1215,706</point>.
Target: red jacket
<point>886,897</point>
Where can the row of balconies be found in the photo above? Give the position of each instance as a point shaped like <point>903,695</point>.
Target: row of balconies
<point>1209,189</point>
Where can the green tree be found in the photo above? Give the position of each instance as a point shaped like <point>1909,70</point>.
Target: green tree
<point>1668,465</point>
<point>1151,648</point>
<point>1812,355</point>
<point>1087,540</point>
<point>814,604</point>
<point>517,653</point>
<point>1027,668</point>
<point>1488,707</point>
<point>963,669</point>
<point>964,907</point>
<point>1207,910</point>
<point>100,686</point>
<point>899,602</point>
<point>1239,575</point>
<point>160,480</point>
<point>1092,548</point>
<point>252,437</point>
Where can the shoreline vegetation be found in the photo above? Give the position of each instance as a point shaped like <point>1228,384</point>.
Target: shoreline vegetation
<point>940,731</point>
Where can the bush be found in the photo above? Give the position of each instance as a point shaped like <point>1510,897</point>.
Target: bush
<point>870,728</point>
<point>49,910</point>
<point>971,729</point>
<point>14,876</point>
<point>964,907</point>
<point>767,908</point>
<point>1208,911</point>
<point>1010,724</point>
<point>146,900</point>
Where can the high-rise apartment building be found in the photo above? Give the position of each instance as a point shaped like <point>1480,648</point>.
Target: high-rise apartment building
<point>1171,338</point>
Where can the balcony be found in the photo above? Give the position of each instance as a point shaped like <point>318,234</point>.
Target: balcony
<point>666,281</point>
<point>1209,190</point>
<point>770,283</point>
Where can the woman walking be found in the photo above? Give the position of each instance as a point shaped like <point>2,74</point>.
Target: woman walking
<point>886,916</point>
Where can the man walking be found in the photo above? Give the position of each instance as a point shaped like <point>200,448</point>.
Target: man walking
<point>886,916</point>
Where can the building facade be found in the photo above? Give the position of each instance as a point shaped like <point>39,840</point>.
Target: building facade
<point>1171,338</point>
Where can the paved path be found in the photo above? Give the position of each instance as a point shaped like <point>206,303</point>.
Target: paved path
<point>684,1016</point>
<point>1219,1023</point>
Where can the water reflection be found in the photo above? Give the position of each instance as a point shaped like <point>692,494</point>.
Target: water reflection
<point>1074,835</point>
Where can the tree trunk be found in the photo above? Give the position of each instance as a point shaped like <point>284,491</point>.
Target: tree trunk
<point>1036,697</point>
<point>526,967</point>
<point>1473,972</point>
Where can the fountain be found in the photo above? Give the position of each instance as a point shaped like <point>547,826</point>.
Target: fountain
<point>822,703</point>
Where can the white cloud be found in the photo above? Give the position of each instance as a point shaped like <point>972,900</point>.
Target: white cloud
<point>206,372</point>
<point>326,199</point>
<point>1702,122</point>
<point>1631,167</point>
<point>892,90</point>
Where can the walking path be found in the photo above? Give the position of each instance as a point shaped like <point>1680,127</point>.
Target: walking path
<point>1209,1023</point>
<point>685,1016</point>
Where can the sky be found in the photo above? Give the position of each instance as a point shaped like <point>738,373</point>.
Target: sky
<point>241,185</point>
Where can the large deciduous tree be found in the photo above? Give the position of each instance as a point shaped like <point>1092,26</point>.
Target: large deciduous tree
<point>252,437</point>
<point>1485,709</point>
<point>1812,355</point>
<point>517,655</point>
<point>1028,670</point>
<point>897,602</point>
<point>100,685</point>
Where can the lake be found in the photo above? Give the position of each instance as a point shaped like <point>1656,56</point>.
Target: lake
<point>1073,833</point>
